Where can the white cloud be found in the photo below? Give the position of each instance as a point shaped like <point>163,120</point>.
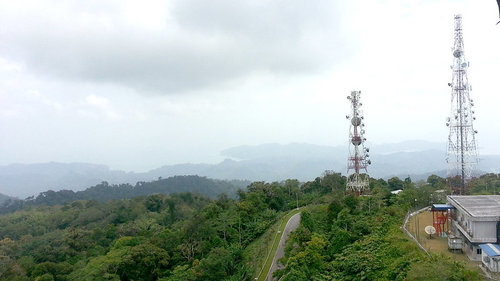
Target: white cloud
<point>172,47</point>
<point>98,106</point>
<point>79,75</point>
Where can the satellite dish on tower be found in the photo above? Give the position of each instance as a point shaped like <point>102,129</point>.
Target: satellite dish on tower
<point>430,230</point>
<point>356,121</point>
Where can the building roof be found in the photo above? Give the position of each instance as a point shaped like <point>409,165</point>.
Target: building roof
<point>478,205</point>
<point>492,250</point>
<point>441,207</point>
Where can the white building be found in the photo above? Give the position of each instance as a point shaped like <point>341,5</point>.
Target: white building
<point>490,256</point>
<point>475,219</point>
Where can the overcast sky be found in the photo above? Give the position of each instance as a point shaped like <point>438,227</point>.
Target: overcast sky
<point>140,84</point>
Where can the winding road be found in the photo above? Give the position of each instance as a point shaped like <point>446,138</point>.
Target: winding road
<point>292,224</point>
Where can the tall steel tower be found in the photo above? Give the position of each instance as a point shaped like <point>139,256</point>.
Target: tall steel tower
<point>358,154</point>
<point>462,152</point>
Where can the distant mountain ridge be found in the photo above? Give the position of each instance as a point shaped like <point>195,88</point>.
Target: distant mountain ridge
<point>267,162</point>
<point>103,192</point>
<point>273,150</point>
<point>4,198</point>
<point>23,180</point>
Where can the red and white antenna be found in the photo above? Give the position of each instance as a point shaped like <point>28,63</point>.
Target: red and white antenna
<point>358,153</point>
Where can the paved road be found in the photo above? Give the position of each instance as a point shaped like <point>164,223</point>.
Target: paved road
<point>291,225</point>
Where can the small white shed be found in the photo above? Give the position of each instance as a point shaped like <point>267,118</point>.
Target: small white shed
<point>490,256</point>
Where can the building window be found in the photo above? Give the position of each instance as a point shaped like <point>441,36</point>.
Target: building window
<point>479,251</point>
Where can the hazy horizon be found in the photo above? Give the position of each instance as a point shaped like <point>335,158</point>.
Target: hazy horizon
<point>137,85</point>
<point>388,148</point>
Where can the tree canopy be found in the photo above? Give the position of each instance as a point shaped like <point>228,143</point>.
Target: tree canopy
<point>188,236</point>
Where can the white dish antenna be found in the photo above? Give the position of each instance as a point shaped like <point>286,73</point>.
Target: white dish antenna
<point>430,230</point>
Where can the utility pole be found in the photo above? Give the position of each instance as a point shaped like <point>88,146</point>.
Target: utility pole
<point>297,198</point>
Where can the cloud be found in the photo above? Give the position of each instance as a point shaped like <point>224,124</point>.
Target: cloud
<point>178,46</point>
<point>96,107</point>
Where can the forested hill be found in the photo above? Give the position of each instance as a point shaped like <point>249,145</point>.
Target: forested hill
<point>4,198</point>
<point>104,191</point>
<point>181,236</point>
<point>188,237</point>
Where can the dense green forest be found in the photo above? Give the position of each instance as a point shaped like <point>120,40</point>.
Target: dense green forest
<point>357,238</point>
<point>486,184</point>
<point>187,236</point>
<point>104,191</point>
<point>183,236</point>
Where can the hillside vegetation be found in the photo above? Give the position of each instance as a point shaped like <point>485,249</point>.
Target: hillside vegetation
<point>188,236</point>
<point>104,191</point>
<point>354,239</point>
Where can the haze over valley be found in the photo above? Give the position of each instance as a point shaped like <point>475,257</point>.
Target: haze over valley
<point>267,162</point>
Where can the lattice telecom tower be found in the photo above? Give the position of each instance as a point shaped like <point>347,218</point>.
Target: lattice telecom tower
<point>462,152</point>
<point>358,154</point>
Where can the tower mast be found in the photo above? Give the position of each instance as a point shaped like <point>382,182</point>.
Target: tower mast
<point>358,154</point>
<point>462,151</point>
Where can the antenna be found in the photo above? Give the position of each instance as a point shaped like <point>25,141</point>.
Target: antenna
<point>462,156</point>
<point>430,230</point>
<point>358,156</point>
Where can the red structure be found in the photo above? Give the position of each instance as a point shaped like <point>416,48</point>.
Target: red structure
<point>441,218</point>
<point>357,162</point>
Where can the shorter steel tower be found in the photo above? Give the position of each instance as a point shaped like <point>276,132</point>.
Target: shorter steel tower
<point>358,154</point>
<point>462,152</point>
